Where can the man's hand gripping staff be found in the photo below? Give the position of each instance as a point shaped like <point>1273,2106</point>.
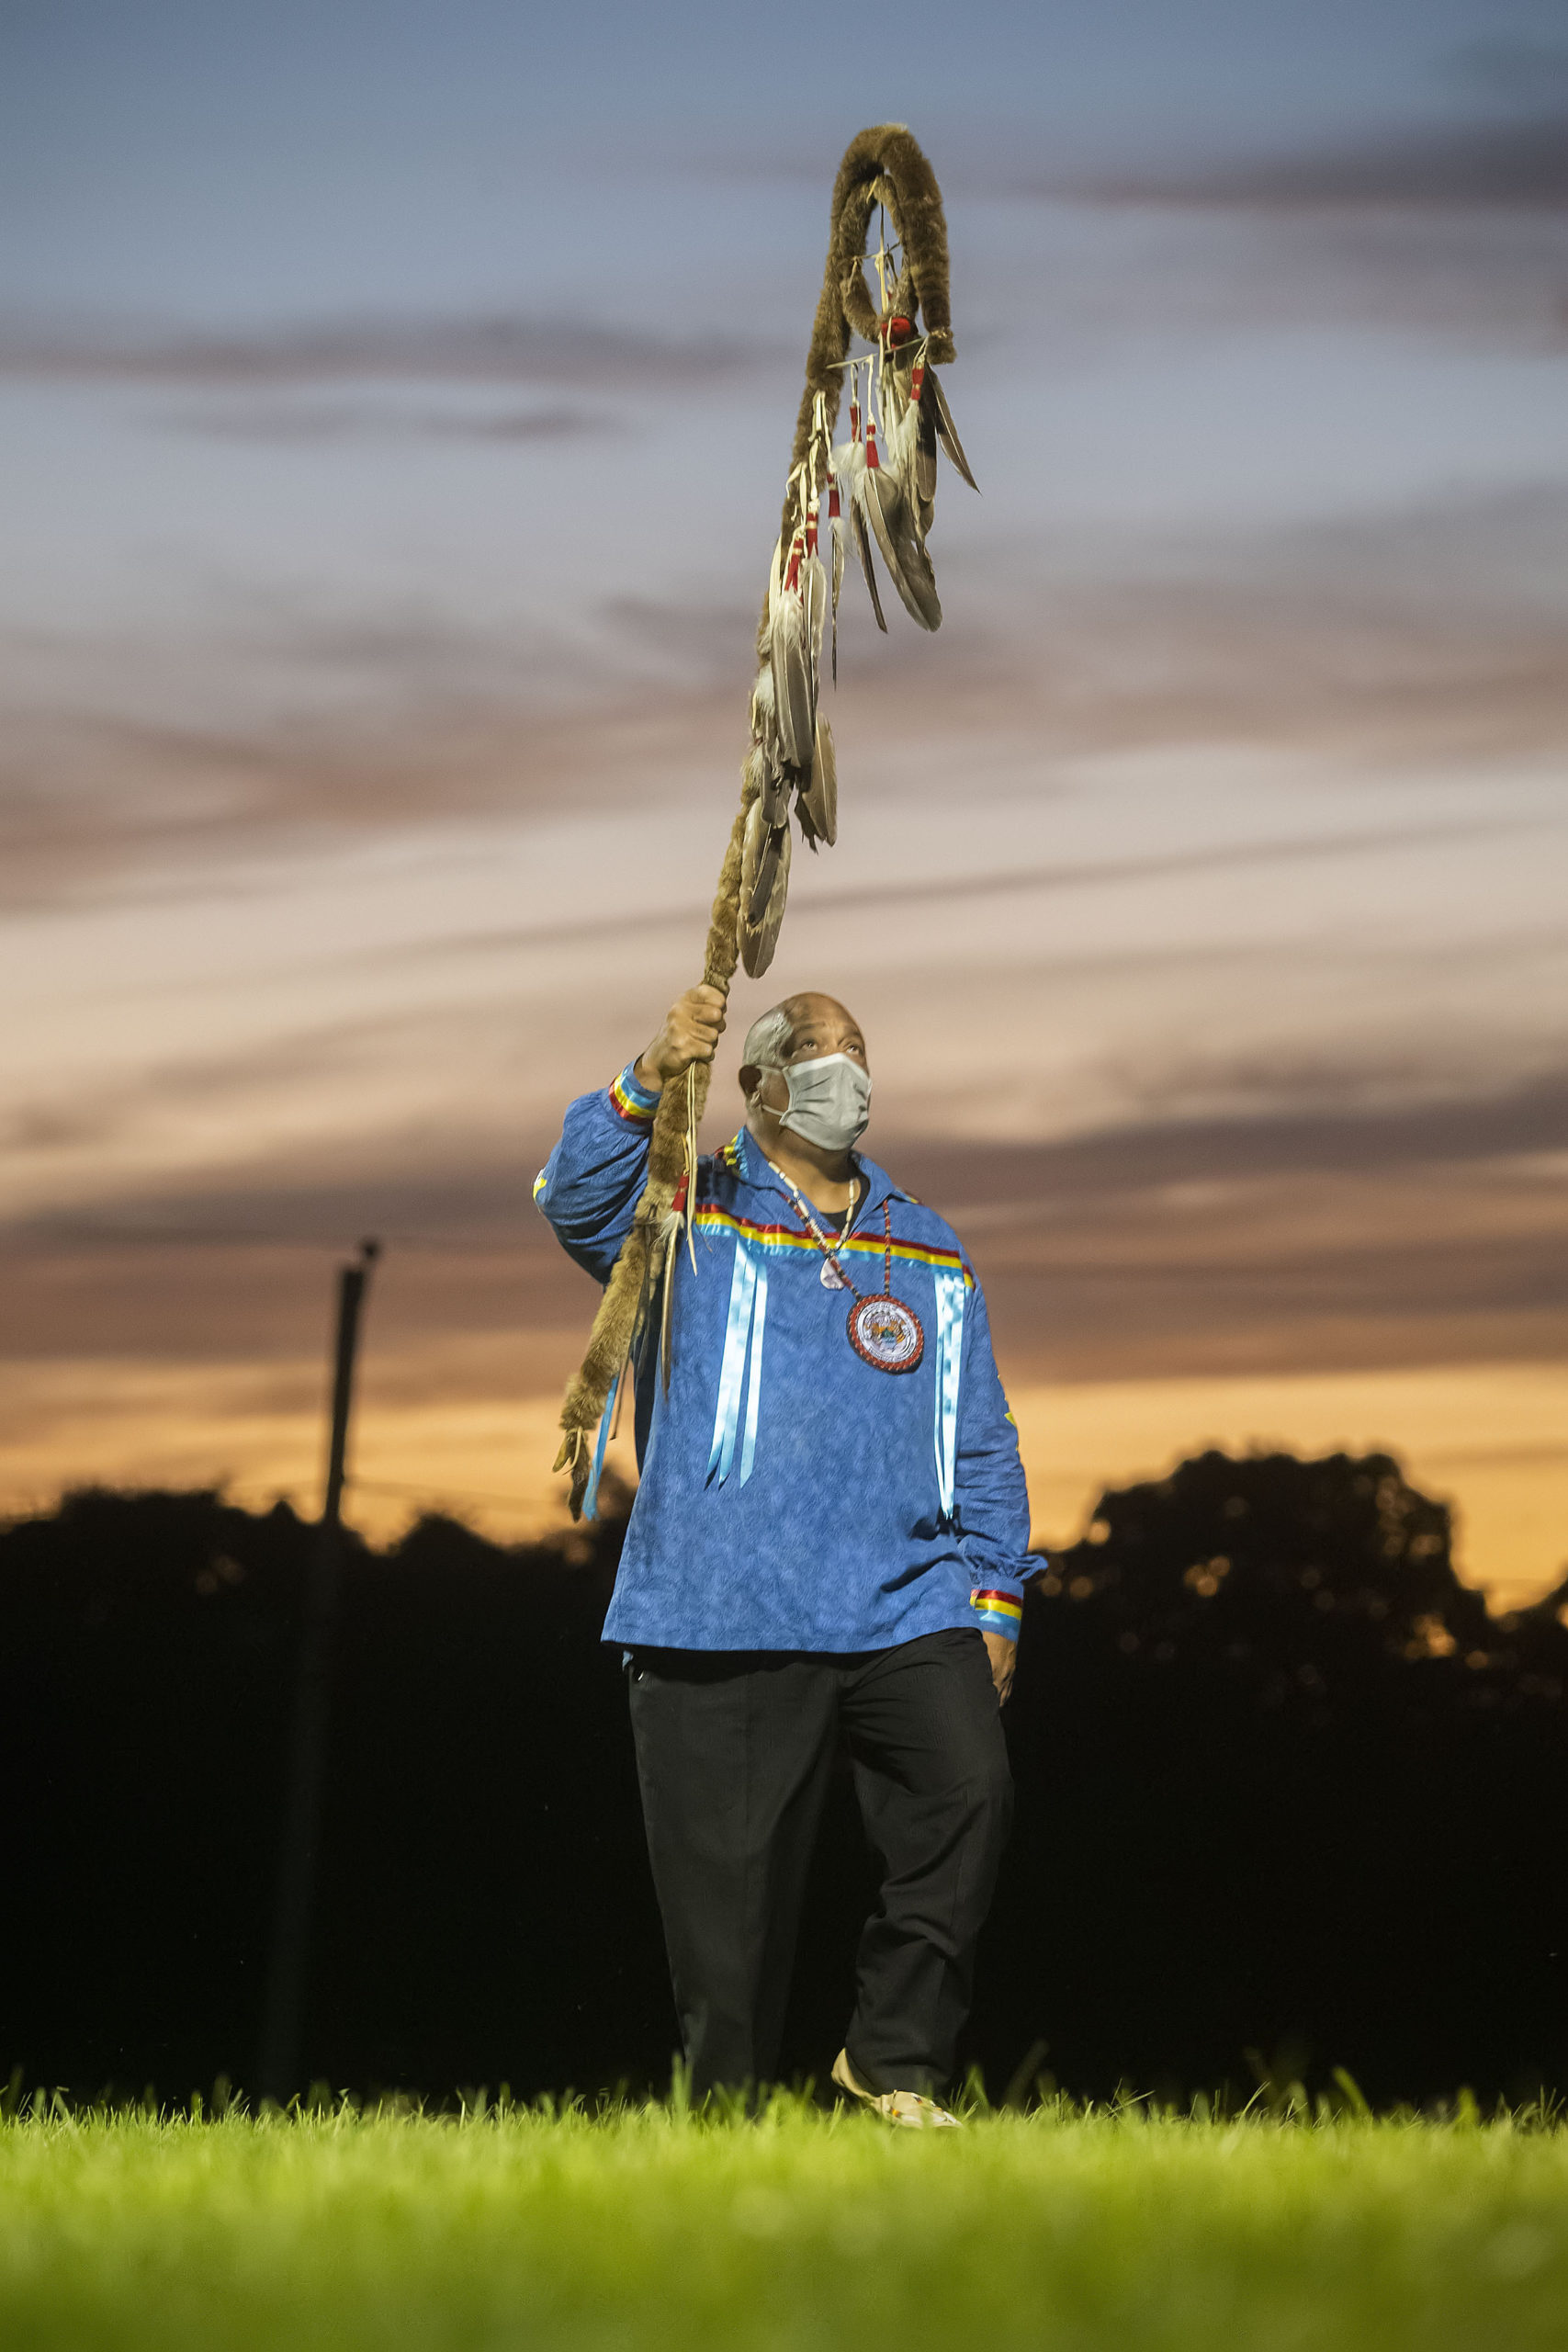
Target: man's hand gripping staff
<point>689,1033</point>
<point>885,476</point>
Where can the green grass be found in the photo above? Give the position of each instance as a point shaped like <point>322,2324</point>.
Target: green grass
<point>642,2227</point>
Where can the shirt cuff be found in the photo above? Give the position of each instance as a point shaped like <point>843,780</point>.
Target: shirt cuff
<point>631,1101</point>
<point>996,1611</point>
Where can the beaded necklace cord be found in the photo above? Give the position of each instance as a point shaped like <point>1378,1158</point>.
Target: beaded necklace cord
<point>798,1203</point>
<point>883,1330</point>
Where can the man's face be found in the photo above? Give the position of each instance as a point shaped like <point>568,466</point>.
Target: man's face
<point>819,1025</point>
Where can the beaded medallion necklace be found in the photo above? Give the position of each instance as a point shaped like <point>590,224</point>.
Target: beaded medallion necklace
<point>882,1331</point>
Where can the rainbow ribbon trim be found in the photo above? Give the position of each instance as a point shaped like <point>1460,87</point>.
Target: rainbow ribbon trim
<point>998,1612</point>
<point>709,1219</point>
<point>631,1101</point>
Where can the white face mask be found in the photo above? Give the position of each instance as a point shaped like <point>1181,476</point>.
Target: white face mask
<point>829,1101</point>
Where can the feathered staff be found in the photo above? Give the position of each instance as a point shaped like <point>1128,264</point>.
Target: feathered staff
<point>879,492</point>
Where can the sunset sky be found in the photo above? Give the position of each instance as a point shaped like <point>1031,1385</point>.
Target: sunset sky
<point>396,402</point>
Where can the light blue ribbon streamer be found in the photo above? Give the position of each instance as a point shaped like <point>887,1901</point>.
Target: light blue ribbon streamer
<point>726,1416</point>
<point>754,1377</point>
<point>591,1493</point>
<point>949,1359</point>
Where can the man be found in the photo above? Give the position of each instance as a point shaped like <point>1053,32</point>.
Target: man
<point>830,1539</point>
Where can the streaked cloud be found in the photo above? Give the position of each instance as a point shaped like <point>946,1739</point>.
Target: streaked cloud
<point>1516,164</point>
<point>1193,994</point>
<point>1409,634</point>
<point>1295,1239</point>
<point>1459,231</point>
<point>316,421</point>
<point>930,897</point>
<point>500,349</point>
<point>1522,69</point>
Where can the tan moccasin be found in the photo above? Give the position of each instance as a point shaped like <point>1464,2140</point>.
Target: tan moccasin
<point>912,2110</point>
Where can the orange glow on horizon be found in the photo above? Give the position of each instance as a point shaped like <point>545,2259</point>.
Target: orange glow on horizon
<point>1487,1438</point>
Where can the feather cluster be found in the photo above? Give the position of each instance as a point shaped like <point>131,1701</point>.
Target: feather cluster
<point>879,488</point>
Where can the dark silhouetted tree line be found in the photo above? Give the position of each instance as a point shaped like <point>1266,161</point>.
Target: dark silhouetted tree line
<point>1285,1787</point>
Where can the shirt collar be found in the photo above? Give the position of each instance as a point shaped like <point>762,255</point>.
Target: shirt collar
<point>755,1171</point>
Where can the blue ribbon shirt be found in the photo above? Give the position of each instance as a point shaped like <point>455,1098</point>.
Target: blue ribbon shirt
<point>792,1496</point>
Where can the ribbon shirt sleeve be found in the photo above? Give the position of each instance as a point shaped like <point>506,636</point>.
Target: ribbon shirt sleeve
<point>590,1186</point>
<point>991,1503</point>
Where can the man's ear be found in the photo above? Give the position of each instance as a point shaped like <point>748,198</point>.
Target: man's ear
<point>751,1078</point>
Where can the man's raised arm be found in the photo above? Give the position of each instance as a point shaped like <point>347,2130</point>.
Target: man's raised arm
<point>590,1183</point>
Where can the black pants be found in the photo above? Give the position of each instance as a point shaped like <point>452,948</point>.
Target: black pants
<point>734,1752</point>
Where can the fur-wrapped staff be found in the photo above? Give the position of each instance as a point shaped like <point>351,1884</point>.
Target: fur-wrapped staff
<point>879,488</point>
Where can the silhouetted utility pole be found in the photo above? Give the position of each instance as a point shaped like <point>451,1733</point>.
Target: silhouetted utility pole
<point>297,1867</point>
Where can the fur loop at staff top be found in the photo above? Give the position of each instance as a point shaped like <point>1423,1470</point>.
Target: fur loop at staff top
<point>886,167</point>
